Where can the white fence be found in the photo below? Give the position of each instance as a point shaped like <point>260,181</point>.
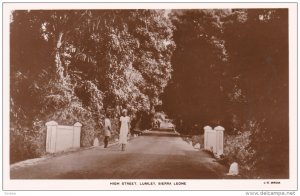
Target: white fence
<point>60,137</point>
<point>214,139</point>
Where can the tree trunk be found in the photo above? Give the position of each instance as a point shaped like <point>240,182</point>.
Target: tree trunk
<point>58,63</point>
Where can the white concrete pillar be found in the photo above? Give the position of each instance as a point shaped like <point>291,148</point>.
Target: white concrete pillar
<point>207,131</point>
<point>219,139</point>
<point>51,136</point>
<point>76,135</point>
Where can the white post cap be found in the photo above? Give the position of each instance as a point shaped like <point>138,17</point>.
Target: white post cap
<point>208,128</point>
<point>77,124</point>
<point>51,123</point>
<point>219,128</point>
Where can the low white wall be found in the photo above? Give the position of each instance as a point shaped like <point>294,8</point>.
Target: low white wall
<point>61,137</point>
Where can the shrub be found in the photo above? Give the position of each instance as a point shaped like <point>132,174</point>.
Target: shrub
<point>26,143</point>
<point>236,149</point>
<point>195,139</point>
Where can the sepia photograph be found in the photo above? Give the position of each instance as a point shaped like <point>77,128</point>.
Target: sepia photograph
<point>151,97</point>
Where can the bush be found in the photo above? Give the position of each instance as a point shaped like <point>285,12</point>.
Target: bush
<point>236,149</point>
<point>20,147</point>
<point>27,143</point>
<point>88,133</point>
<point>195,139</point>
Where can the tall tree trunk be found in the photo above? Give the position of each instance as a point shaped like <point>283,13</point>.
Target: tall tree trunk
<point>58,62</point>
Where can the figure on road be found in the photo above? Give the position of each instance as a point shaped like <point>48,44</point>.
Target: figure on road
<point>107,130</point>
<point>124,129</point>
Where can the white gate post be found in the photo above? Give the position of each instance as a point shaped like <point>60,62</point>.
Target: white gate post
<point>207,129</point>
<point>220,139</point>
<point>76,135</point>
<point>51,136</point>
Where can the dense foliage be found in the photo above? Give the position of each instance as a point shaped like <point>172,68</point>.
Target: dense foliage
<point>73,66</point>
<point>231,69</point>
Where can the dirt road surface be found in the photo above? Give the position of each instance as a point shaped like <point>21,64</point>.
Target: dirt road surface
<point>152,156</point>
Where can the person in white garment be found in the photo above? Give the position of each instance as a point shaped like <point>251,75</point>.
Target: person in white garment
<point>124,129</point>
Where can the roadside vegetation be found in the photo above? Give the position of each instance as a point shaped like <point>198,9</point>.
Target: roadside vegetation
<point>200,67</point>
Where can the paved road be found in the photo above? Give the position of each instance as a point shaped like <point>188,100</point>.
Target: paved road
<point>147,157</point>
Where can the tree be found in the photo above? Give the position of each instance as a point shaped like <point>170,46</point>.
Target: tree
<point>257,44</point>
<point>87,61</point>
<point>196,91</point>
<point>231,68</point>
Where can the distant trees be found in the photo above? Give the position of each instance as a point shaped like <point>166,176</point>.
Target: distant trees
<point>72,65</point>
<point>231,68</point>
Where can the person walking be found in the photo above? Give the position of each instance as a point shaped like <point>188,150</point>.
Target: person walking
<point>107,130</point>
<point>124,129</point>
